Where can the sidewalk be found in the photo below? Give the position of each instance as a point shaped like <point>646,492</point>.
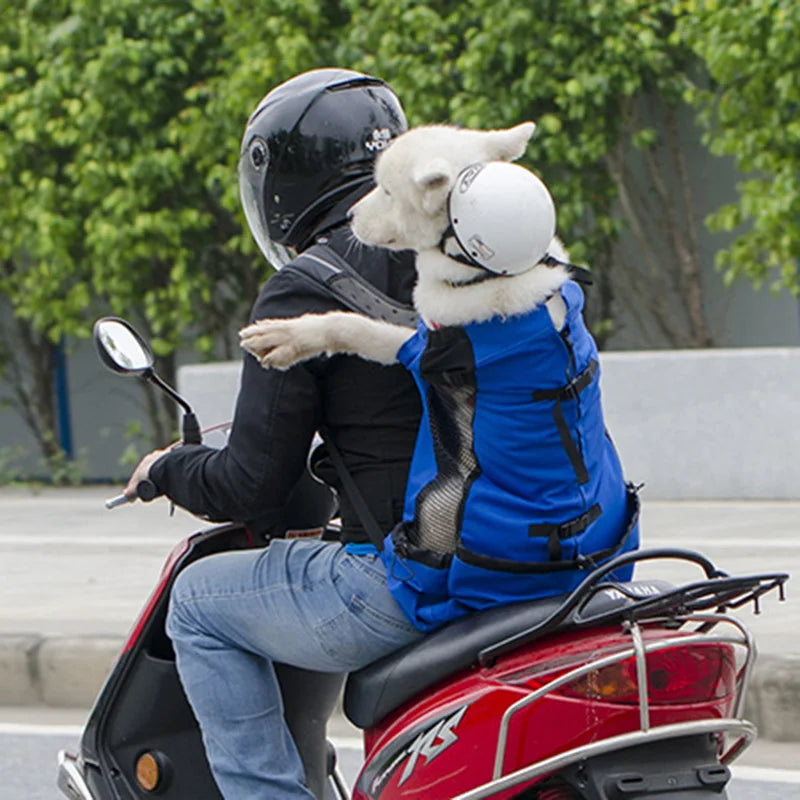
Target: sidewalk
<point>73,577</point>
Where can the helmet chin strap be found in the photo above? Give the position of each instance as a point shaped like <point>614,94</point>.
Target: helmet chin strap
<point>459,254</point>
<point>449,238</point>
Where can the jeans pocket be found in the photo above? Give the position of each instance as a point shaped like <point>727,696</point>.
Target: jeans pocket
<point>381,621</point>
<point>356,637</point>
<point>370,624</point>
<point>361,635</point>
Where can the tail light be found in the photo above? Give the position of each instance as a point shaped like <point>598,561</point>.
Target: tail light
<point>675,676</point>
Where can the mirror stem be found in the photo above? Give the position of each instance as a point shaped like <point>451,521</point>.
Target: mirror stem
<point>151,376</point>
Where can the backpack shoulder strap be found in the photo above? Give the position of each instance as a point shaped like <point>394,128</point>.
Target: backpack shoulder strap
<point>323,266</point>
<point>362,510</point>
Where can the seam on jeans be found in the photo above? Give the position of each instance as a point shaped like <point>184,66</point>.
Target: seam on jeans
<point>357,603</point>
<point>376,575</point>
<point>237,594</point>
<point>320,631</point>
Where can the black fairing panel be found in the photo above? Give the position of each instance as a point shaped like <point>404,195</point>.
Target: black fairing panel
<point>152,714</point>
<point>142,706</point>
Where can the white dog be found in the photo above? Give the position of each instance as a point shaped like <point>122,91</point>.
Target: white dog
<point>515,488</point>
<point>408,211</point>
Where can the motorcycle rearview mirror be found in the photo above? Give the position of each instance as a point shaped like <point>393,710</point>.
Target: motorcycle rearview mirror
<point>122,349</point>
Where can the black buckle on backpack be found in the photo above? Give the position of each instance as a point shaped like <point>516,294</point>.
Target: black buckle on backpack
<point>565,530</point>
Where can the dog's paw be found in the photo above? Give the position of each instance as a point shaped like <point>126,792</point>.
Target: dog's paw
<point>281,343</point>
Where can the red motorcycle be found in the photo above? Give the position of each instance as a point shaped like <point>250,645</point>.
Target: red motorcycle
<point>616,691</point>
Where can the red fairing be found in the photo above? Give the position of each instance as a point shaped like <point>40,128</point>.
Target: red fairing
<point>166,575</point>
<point>446,743</point>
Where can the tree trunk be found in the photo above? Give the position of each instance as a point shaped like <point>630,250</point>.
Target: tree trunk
<point>663,286</point>
<point>28,360</point>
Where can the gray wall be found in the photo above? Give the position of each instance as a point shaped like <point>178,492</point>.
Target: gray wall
<point>101,405</point>
<point>689,424</point>
<point>707,424</point>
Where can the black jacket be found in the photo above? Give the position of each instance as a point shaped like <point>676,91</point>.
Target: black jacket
<point>371,411</point>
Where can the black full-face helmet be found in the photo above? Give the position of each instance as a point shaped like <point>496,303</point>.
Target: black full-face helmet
<point>308,153</point>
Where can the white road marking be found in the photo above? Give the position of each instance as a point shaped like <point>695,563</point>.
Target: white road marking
<point>748,773</point>
<point>109,540</point>
<point>348,743</point>
<point>741,773</point>
<point>766,774</point>
<point>23,729</point>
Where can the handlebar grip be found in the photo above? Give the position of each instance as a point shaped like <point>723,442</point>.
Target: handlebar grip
<point>146,491</point>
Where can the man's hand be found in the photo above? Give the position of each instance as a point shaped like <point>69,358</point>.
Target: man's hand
<point>142,472</point>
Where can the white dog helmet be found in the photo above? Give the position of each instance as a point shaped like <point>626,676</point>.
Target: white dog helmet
<point>502,217</point>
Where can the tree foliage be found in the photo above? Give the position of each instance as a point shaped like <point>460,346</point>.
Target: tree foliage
<point>603,81</point>
<point>119,131</point>
<point>120,123</point>
<point>751,111</point>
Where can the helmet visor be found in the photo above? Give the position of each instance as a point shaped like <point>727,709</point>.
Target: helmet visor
<point>251,193</point>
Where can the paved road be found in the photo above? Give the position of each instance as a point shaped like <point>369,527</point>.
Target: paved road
<point>27,767</point>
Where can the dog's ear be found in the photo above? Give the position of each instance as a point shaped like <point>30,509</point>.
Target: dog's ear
<point>509,144</point>
<point>434,179</point>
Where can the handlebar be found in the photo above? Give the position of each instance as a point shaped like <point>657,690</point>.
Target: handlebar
<point>145,490</point>
<point>119,500</point>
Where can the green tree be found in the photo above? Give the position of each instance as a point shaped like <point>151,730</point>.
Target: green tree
<point>120,123</point>
<point>751,112</point>
<point>39,221</point>
<point>119,129</point>
<point>604,82</point>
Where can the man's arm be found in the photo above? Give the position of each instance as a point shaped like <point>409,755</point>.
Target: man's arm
<point>250,477</point>
<point>274,422</point>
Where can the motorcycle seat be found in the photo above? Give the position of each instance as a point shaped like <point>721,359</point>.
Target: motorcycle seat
<point>379,688</point>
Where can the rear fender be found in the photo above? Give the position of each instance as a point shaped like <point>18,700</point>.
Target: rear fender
<point>673,769</point>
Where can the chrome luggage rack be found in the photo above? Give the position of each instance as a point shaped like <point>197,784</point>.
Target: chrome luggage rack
<point>674,608</point>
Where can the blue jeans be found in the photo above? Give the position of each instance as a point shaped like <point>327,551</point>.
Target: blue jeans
<point>232,615</point>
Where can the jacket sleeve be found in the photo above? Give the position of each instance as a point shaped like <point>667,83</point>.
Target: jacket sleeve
<point>274,422</point>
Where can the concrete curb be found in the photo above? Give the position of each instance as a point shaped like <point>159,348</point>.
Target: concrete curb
<point>68,672</point>
<point>63,672</point>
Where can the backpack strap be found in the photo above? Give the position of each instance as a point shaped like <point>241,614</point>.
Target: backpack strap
<point>365,516</point>
<point>323,266</point>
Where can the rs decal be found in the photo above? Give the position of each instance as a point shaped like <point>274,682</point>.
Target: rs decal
<point>432,742</point>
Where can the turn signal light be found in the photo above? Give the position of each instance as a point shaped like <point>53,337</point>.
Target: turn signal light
<point>148,772</point>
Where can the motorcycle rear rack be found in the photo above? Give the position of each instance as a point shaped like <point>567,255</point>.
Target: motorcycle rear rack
<point>718,592</point>
<point>744,731</point>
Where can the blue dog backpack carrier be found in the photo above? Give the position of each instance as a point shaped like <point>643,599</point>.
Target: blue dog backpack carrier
<point>515,487</point>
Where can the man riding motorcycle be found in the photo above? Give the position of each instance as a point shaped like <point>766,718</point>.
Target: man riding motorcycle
<point>307,155</point>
